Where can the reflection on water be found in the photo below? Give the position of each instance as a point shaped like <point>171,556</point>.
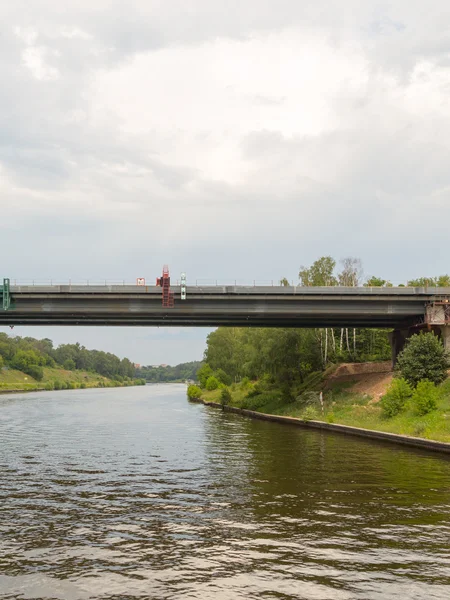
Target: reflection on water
<point>134,493</point>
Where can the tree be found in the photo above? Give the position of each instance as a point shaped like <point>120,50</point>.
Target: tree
<point>377,282</point>
<point>203,374</point>
<point>320,273</point>
<point>284,282</point>
<point>69,364</point>
<point>423,357</point>
<point>352,272</point>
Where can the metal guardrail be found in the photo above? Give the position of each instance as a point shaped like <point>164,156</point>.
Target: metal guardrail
<point>192,283</point>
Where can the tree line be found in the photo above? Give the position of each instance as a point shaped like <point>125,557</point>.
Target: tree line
<point>160,374</point>
<point>287,356</point>
<point>31,355</point>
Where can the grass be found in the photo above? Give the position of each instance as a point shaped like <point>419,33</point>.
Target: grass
<point>11,379</point>
<point>343,407</point>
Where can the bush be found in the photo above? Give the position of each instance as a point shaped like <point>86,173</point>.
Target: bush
<point>203,374</point>
<point>225,396</point>
<point>212,383</point>
<point>261,400</point>
<point>49,386</point>
<point>309,399</point>
<point>423,357</point>
<point>309,414</point>
<point>35,372</point>
<point>425,397</point>
<point>194,392</point>
<point>69,364</point>
<point>82,385</point>
<point>58,385</point>
<point>396,397</point>
<point>223,377</point>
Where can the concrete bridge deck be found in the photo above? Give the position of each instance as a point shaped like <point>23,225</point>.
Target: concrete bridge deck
<point>271,306</point>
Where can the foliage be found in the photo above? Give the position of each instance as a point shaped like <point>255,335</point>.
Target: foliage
<point>194,392</point>
<point>309,414</point>
<point>319,274</point>
<point>22,353</point>
<point>69,364</point>
<point>212,383</point>
<point>225,396</point>
<point>203,374</point>
<point>423,357</point>
<point>261,401</point>
<point>166,373</point>
<point>309,398</point>
<point>425,397</point>
<point>223,377</point>
<point>441,281</point>
<point>396,397</point>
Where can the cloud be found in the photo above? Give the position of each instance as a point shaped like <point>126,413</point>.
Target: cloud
<point>234,141</point>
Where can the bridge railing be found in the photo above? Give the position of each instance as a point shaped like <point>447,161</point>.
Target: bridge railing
<point>127,282</point>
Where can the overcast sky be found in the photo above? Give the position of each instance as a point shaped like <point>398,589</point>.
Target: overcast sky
<point>231,140</point>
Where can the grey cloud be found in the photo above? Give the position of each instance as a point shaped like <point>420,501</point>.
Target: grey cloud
<point>83,201</point>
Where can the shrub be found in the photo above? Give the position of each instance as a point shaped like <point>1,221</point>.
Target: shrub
<point>396,397</point>
<point>425,397</point>
<point>69,364</point>
<point>49,386</point>
<point>35,371</point>
<point>212,383</point>
<point>203,374</point>
<point>423,357</point>
<point>58,385</point>
<point>261,400</point>
<point>309,414</point>
<point>83,385</point>
<point>225,396</point>
<point>223,377</point>
<point>308,399</point>
<point>194,391</point>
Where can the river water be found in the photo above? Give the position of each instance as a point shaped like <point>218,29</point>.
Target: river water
<point>135,493</point>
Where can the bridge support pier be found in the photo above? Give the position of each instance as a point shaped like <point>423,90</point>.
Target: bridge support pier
<point>397,339</point>
<point>445,336</point>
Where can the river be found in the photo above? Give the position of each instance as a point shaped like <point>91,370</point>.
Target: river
<point>135,493</point>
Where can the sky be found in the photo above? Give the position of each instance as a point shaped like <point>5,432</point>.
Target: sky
<point>232,140</point>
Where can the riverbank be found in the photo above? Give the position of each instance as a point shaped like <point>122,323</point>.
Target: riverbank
<point>350,399</point>
<point>12,380</point>
<point>405,440</point>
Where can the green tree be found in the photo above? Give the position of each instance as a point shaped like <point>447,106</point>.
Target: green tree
<point>377,282</point>
<point>284,282</point>
<point>422,282</point>
<point>225,397</point>
<point>423,357</point>
<point>212,383</point>
<point>69,364</point>
<point>223,377</point>
<point>425,397</point>
<point>320,273</point>
<point>203,374</point>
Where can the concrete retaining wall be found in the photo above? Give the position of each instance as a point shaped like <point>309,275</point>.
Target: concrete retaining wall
<point>346,429</point>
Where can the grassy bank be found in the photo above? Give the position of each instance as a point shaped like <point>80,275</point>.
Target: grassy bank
<point>57,378</point>
<point>343,406</point>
